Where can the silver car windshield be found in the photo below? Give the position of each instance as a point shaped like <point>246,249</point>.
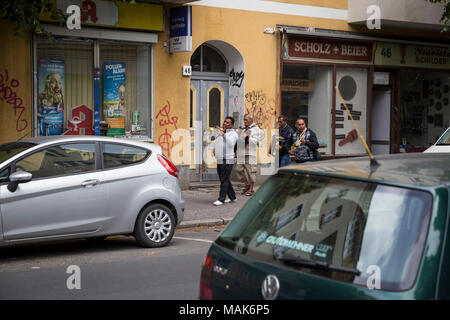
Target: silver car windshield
<point>352,225</point>
<point>10,149</point>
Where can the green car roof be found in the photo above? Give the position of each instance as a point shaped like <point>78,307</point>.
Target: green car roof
<point>413,169</point>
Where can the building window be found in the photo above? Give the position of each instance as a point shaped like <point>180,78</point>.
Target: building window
<point>66,84</point>
<point>208,59</point>
<point>191,109</point>
<point>214,107</point>
<point>424,108</point>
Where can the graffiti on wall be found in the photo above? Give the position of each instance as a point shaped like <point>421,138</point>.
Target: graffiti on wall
<point>262,109</point>
<point>236,78</point>
<point>166,119</point>
<point>165,140</point>
<point>9,95</point>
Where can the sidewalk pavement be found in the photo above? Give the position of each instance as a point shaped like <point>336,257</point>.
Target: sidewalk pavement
<point>199,209</point>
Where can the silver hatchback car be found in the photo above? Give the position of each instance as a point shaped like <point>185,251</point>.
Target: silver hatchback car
<point>67,187</point>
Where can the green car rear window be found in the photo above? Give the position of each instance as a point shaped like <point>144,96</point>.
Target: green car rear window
<point>365,226</point>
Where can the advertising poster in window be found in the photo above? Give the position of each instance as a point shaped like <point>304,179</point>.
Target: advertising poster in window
<point>51,96</point>
<point>352,82</point>
<point>114,102</point>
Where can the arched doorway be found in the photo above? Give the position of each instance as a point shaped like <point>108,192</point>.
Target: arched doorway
<point>214,96</point>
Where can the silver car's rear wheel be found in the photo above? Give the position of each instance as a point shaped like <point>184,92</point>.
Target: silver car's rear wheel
<point>158,225</point>
<point>155,226</point>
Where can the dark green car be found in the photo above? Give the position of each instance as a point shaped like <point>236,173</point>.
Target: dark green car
<point>339,229</point>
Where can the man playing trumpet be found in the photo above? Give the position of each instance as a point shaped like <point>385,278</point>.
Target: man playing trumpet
<point>224,146</point>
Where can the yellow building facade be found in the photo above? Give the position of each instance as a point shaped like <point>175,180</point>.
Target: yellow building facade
<point>15,86</point>
<point>279,60</point>
<point>260,57</point>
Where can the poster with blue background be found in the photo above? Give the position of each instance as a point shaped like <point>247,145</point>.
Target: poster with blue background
<point>113,77</point>
<point>51,96</point>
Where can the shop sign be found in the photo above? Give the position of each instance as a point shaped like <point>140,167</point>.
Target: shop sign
<point>403,55</point>
<point>81,122</point>
<point>381,78</point>
<point>115,14</point>
<point>297,85</point>
<point>329,49</point>
<point>180,29</point>
<point>98,12</point>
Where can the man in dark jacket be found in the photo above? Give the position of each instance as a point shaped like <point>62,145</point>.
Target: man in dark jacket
<point>304,139</point>
<point>285,141</point>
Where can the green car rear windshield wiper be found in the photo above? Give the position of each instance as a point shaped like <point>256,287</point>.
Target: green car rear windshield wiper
<point>315,264</point>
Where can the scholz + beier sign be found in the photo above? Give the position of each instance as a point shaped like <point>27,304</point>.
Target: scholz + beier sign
<point>329,49</point>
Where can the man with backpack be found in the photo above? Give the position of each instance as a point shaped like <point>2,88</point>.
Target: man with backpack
<point>304,143</point>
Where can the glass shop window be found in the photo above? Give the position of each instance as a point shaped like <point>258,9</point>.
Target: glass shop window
<point>424,108</point>
<point>65,80</point>
<point>66,85</point>
<point>307,93</point>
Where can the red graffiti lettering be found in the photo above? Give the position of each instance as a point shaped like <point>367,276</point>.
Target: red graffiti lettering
<point>166,142</point>
<point>10,97</point>
<point>165,114</point>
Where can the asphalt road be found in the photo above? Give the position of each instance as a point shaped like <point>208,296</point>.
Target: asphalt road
<point>115,268</point>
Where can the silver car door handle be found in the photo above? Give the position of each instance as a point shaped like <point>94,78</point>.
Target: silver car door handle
<point>89,183</point>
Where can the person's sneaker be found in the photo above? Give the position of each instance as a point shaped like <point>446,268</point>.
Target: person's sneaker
<point>218,203</point>
<point>229,200</point>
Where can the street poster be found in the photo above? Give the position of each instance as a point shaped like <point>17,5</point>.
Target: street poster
<point>114,86</point>
<point>51,96</point>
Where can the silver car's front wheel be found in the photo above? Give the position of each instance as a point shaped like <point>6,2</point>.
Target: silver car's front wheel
<point>155,226</point>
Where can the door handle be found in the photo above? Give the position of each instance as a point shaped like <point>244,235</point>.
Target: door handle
<point>89,183</point>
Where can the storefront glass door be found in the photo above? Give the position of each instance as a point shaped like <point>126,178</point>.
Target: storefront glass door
<point>352,82</point>
<point>381,120</point>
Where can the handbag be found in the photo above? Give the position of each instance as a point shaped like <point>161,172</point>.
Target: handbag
<point>303,154</point>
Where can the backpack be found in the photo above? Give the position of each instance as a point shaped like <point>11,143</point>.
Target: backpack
<point>303,154</point>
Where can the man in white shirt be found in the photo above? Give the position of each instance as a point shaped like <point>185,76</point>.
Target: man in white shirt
<point>224,146</point>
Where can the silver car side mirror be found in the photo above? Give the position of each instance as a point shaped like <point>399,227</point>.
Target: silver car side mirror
<point>18,177</point>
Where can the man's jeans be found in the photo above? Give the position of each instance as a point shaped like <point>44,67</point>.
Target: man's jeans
<point>226,188</point>
<point>285,160</point>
